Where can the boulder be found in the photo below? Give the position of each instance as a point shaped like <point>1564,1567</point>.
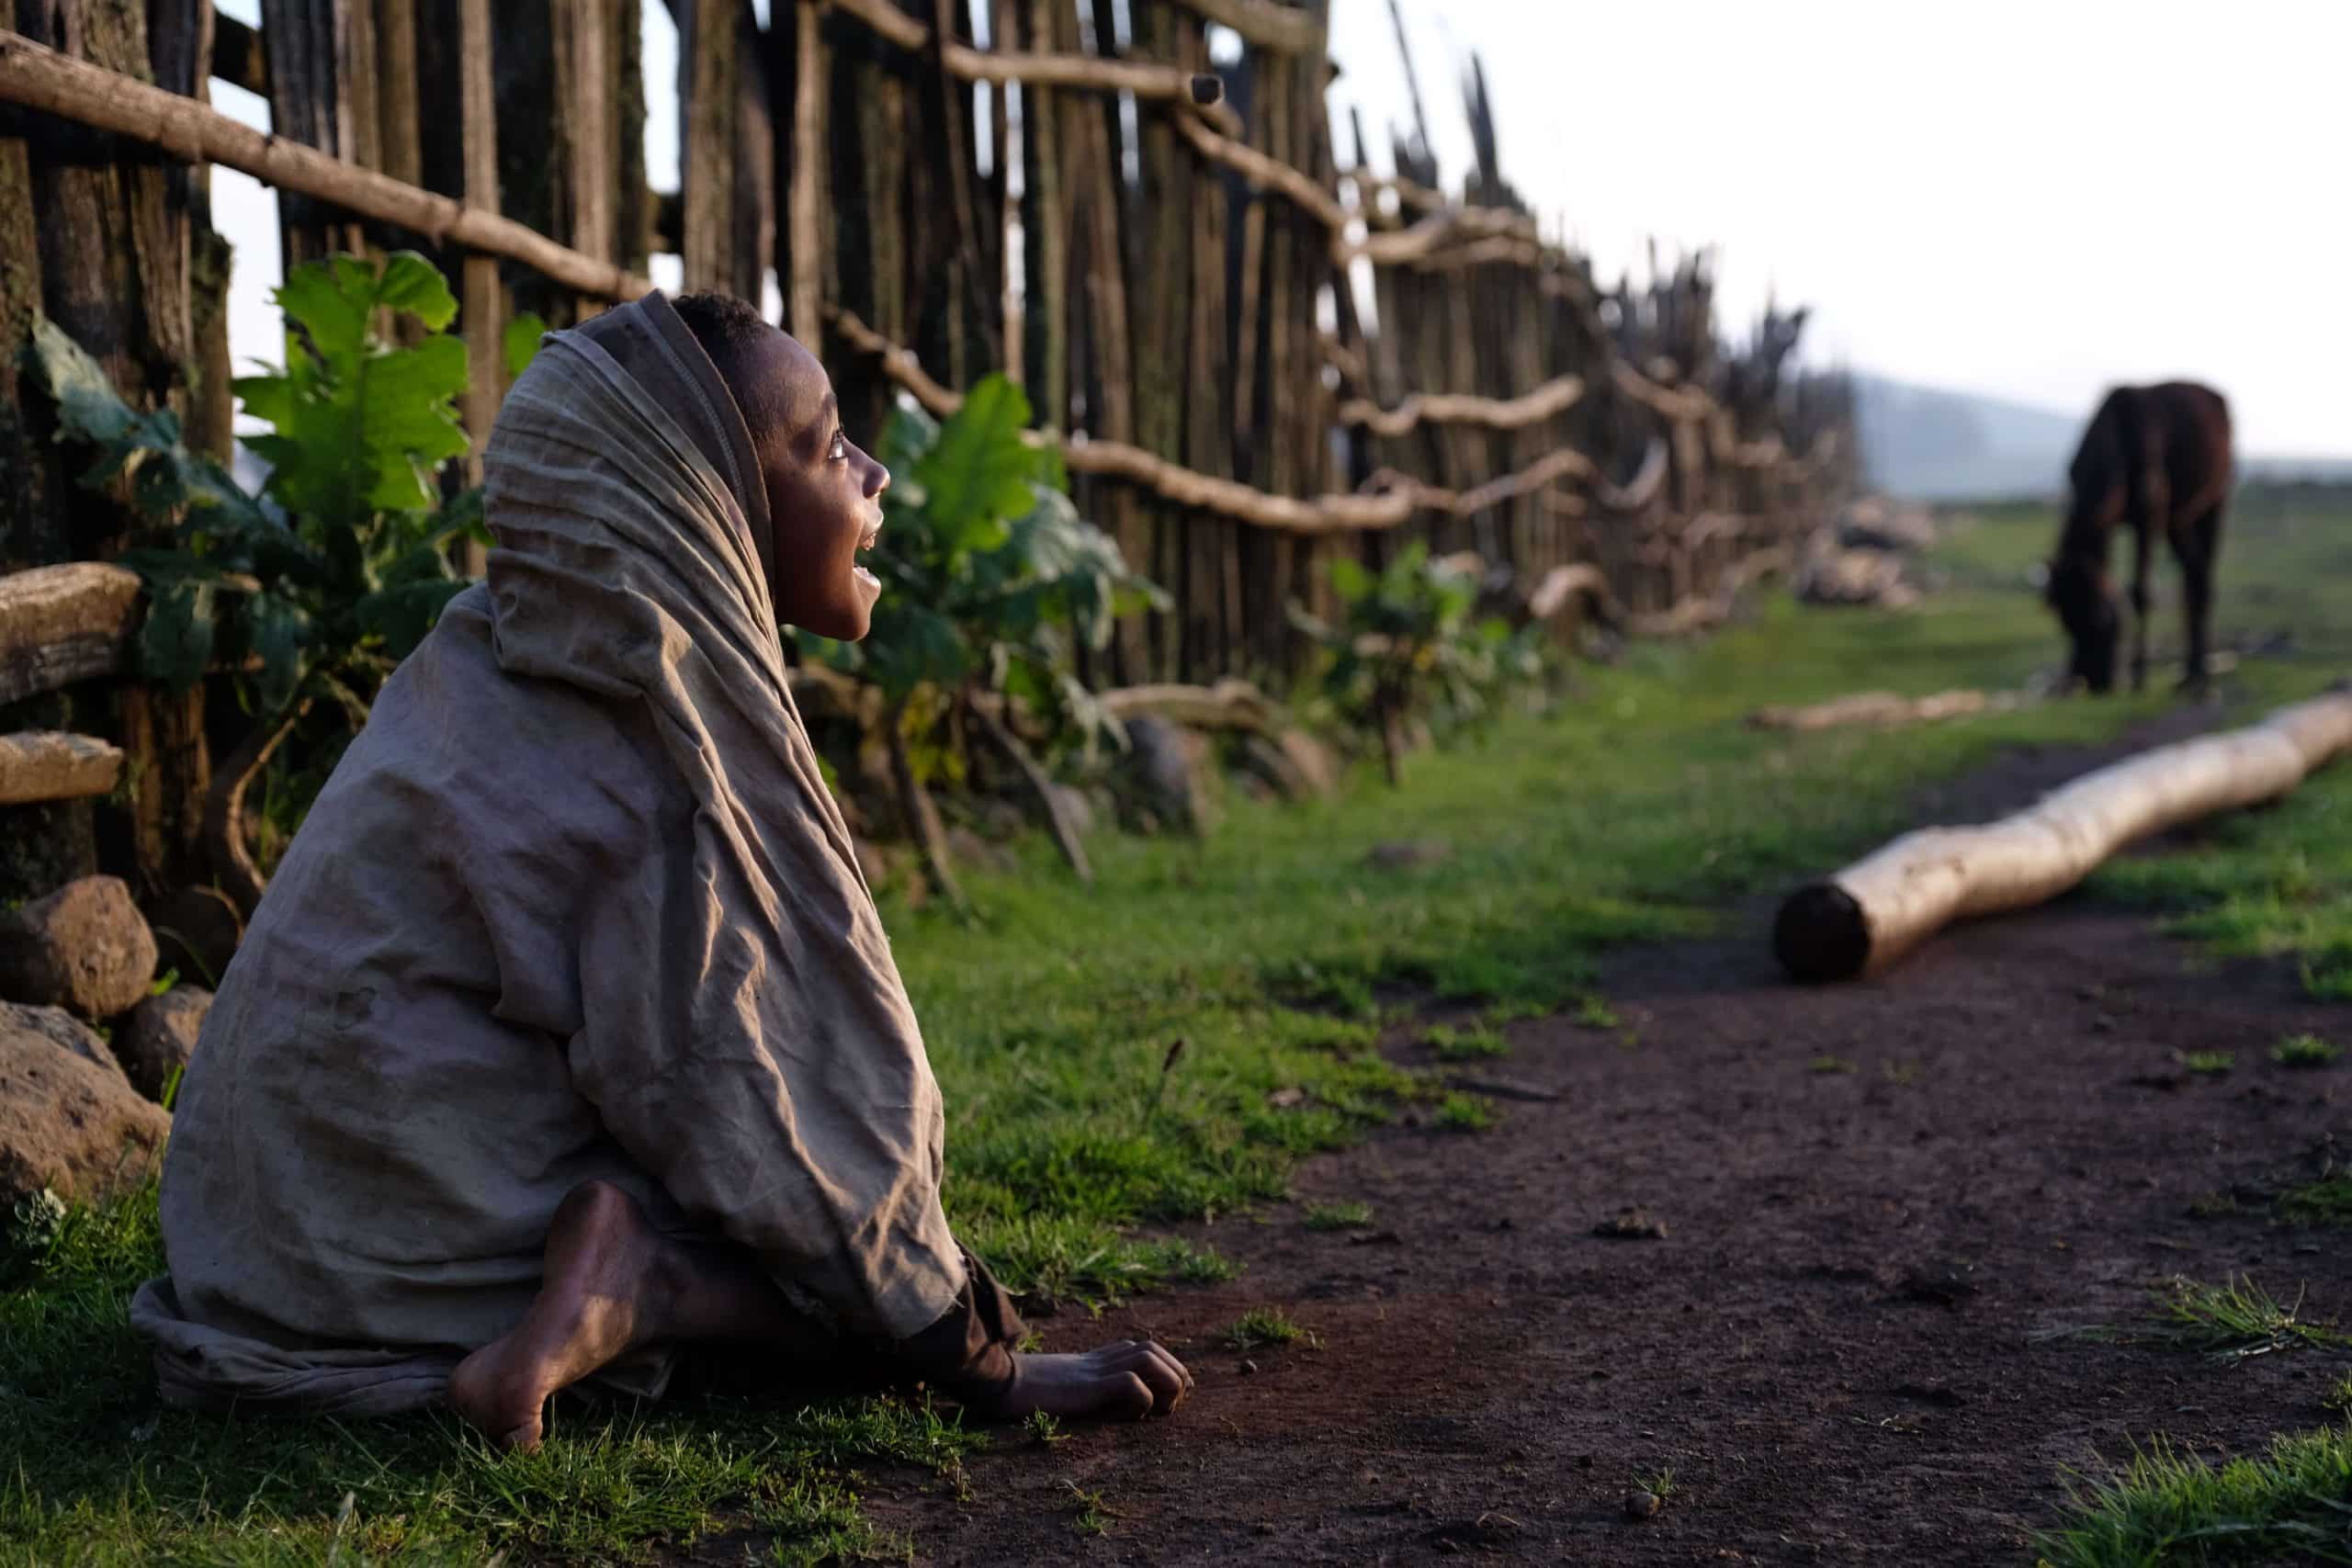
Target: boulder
<point>85,947</point>
<point>66,1123</point>
<point>158,1036</point>
<point>1166,775</point>
<point>62,1029</point>
<point>196,932</point>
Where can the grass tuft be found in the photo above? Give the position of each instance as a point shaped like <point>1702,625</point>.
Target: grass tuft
<point>1260,1328</point>
<point>2287,1504</point>
<point>2305,1050</point>
<point>2210,1064</point>
<point>1464,1044</point>
<point>1339,1216</point>
<point>1464,1113</point>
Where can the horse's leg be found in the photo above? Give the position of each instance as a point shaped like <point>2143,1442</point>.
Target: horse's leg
<point>2198,545</point>
<point>2143,562</point>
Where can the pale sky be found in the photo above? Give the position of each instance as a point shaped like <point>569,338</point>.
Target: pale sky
<point>2029,199</point>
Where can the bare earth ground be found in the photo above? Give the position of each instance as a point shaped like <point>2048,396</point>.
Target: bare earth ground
<point>1833,1347</point>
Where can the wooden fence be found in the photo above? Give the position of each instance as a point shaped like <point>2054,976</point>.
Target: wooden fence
<point>1254,358</point>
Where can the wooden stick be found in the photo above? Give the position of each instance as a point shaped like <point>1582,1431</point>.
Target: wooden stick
<point>1403,497</point>
<point>1870,914</point>
<point>1553,397</point>
<point>1280,29</point>
<point>1157,83</point>
<point>42,79</point>
<point>1884,709</point>
<point>806,216</point>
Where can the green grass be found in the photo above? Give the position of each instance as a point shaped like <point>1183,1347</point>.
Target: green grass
<point>2327,1202</point>
<point>2306,1051</point>
<point>2165,1508</point>
<point>1464,1044</point>
<point>1264,1326</point>
<point>1634,813</point>
<point>2231,1322</point>
<point>1339,1216</point>
<point>1464,1113</point>
<point>2210,1064</point>
<point>1826,1066</point>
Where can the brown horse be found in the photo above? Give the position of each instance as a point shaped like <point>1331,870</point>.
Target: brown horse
<point>2156,460</point>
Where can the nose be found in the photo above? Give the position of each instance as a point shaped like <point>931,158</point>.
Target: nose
<point>877,479</point>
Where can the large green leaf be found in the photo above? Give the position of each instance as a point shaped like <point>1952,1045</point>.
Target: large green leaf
<point>976,476</point>
<point>175,643</point>
<point>278,632</point>
<point>521,342</point>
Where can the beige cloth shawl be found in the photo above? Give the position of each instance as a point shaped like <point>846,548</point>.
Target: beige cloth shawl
<point>577,904</point>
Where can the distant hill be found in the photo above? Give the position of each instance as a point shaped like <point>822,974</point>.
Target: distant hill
<point>1932,445</point>
<point>1929,444</point>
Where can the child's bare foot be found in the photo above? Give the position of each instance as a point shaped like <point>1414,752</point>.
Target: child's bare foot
<point>600,1297</point>
<point>1128,1381</point>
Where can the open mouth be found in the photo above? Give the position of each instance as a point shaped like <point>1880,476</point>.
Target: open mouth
<point>866,541</point>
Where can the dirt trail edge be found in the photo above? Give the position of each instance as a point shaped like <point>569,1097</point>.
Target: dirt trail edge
<point>1877,1198</point>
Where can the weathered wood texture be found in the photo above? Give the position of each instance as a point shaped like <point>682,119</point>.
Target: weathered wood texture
<point>63,623</point>
<point>1870,914</point>
<point>49,764</point>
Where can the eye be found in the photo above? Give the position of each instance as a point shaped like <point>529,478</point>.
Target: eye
<point>839,450</point>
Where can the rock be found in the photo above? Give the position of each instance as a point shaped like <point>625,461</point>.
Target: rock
<point>1871,524</point>
<point>159,1036</point>
<point>67,1123</point>
<point>1632,1224</point>
<point>1643,1505</point>
<point>63,1030</point>
<point>196,932</point>
<point>86,947</point>
<point>1248,1367</point>
<point>1168,775</point>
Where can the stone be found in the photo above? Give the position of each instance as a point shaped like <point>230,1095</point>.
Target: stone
<point>1166,772</point>
<point>196,932</point>
<point>156,1041</point>
<point>85,947</point>
<point>66,1123</point>
<point>61,1028</point>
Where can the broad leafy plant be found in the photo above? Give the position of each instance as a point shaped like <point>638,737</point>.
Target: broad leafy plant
<point>316,586</point>
<point>990,583</point>
<point>1411,651</point>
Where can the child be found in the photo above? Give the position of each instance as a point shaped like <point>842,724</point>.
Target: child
<point>567,1040</point>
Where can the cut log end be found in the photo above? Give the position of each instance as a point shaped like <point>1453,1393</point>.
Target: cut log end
<point>1822,935</point>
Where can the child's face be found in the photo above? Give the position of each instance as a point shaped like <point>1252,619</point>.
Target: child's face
<point>824,494</point>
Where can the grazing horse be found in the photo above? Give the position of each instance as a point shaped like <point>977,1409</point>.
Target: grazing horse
<point>2156,460</point>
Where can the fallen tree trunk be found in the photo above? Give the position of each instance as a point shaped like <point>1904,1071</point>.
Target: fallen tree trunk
<point>1871,913</point>
<point>1885,708</point>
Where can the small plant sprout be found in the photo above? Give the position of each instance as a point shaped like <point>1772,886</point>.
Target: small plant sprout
<point>2209,1064</point>
<point>1260,1328</point>
<point>1094,1516</point>
<point>1660,1485</point>
<point>1464,1044</point>
<point>1828,1065</point>
<point>2305,1050</point>
<point>1464,1113</point>
<point>1044,1427</point>
<point>1594,1012</point>
<point>1339,1216</point>
<point>2234,1321</point>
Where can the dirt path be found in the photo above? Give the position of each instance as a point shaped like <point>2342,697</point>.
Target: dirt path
<point>1832,1347</point>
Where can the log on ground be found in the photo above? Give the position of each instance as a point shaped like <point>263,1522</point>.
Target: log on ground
<point>1870,914</point>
